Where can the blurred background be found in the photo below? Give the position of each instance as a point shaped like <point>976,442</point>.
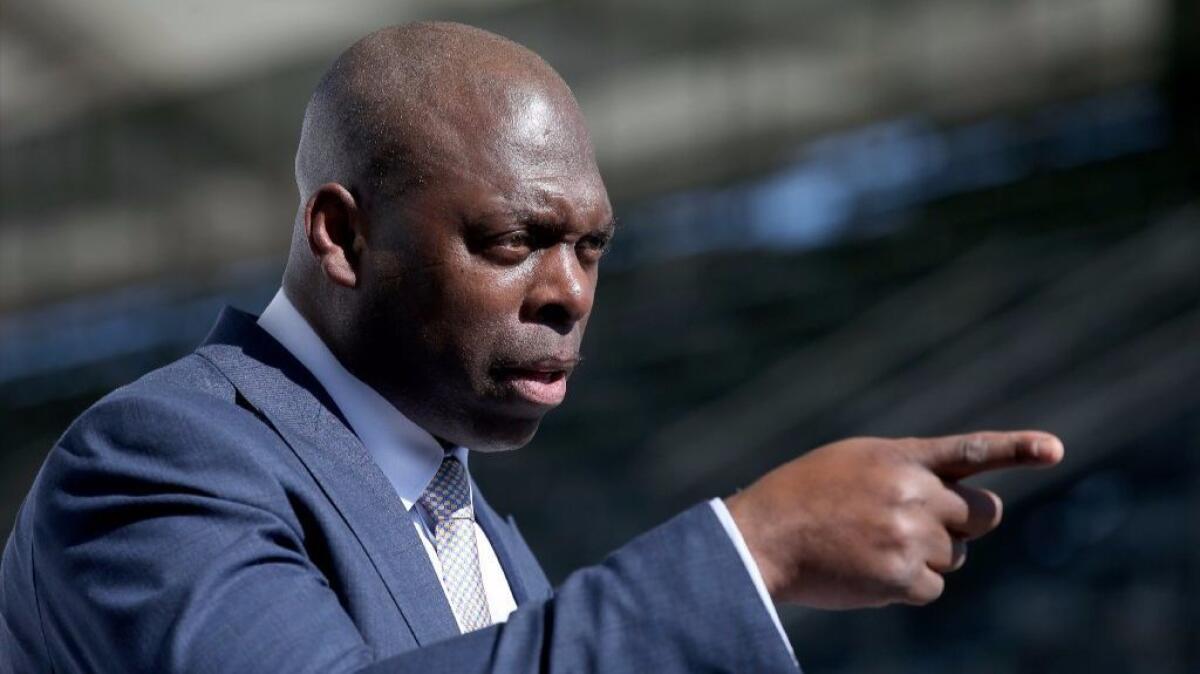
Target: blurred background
<point>838,217</point>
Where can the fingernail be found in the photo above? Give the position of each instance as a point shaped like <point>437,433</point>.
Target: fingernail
<point>1036,450</point>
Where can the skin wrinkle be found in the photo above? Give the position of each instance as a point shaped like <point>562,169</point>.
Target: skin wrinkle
<point>974,450</point>
<point>446,138</point>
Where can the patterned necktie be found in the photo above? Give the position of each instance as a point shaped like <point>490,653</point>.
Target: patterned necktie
<point>448,501</point>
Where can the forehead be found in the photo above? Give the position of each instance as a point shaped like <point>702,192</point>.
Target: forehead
<point>529,151</point>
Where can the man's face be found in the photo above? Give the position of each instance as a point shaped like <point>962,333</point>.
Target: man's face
<point>478,284</point>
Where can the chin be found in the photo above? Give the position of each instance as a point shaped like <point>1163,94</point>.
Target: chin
<point>501,435</point>
<point>492,427</point>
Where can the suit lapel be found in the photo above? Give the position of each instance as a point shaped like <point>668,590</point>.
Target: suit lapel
<point>525,577</point>
<point>288,396</point>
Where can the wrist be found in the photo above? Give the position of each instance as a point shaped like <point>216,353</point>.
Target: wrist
<point>749,526</point>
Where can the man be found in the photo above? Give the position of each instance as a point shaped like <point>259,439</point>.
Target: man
<point>294,495</point>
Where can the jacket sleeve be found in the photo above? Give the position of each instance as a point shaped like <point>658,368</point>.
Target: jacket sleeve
<point>675,599</point>
<point>160,546</point>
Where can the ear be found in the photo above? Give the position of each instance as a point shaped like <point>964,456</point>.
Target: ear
<point>333,226</point>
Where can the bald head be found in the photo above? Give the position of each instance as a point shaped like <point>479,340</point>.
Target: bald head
<point>406,98</point>
<point>452,220</point>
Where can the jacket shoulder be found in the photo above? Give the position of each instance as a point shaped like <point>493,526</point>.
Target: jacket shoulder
<point>170,409</point>
<point>180,428</point>
<point>176,430</point>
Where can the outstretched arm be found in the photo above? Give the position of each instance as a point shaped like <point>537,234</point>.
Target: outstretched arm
<point>178,552</point>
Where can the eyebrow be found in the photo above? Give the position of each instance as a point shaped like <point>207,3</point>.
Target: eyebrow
<point>539,218</point>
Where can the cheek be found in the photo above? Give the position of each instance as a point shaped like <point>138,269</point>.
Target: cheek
<point>479,291</point>
<point>453,310</point>
<point>474,306</point>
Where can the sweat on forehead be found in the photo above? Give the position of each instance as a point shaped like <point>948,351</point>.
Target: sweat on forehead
<point>406,97</point>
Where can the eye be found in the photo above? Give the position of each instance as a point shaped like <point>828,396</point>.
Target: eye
<point>518,240</point>
<point>511,247</point>
<point>592,247</point>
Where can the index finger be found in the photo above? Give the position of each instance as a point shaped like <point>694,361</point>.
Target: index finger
<point>954,457</point>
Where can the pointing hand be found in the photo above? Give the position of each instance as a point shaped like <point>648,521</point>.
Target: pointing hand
<point>872,521</point>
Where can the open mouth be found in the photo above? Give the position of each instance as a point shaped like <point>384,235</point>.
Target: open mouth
<point>538,385</point>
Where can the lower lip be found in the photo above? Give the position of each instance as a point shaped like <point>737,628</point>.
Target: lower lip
<point>539,390</point>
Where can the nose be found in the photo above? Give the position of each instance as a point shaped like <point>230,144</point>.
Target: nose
<point>560,294</point>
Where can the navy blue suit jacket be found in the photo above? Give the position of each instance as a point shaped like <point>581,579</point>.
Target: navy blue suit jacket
<point>218,515</point>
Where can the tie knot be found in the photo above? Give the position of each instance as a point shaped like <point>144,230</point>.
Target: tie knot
<point>448,495</point>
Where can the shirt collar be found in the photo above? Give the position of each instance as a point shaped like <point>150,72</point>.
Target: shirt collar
<point>408,455</point>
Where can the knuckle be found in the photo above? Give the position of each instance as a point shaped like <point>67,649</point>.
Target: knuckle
<point>909,495</point>
<point>897,573</point>
<point>893,492</point>
<point>901,485</point>
<point>913,485</point>
<point>897,531</point>
<point>972,449</point>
